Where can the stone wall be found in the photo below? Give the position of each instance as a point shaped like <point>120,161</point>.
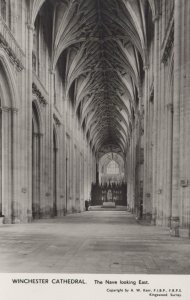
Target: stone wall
<point>41,176</point>
<point>165,101</point>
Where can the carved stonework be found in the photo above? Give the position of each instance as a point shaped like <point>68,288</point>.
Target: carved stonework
<point>37,135</point>
<point>10,46</point>
<point>151,93</point>
<point>9,109</point>
<point>11,54</point>
<point>168,43</point>
<point>57,121</point>
<point>37,92</point>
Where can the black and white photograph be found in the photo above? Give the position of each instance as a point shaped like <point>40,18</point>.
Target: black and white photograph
<point>95,149</point>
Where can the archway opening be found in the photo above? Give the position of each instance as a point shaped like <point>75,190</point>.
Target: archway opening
<point>111,169</point>
<point>111,185</point>
<point>8,205</point>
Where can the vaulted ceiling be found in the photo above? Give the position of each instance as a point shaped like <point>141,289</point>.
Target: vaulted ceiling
<point>101,47</point>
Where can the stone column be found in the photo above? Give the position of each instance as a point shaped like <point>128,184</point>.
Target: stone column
<point>176,118</point>
<point>78,180</point>
<point>146,192</point>
<point>17,207</point>
<point>155,120</point>
<point>72,162</point>
<point>28,111</point>
<point>97,173</point>
<point>1,171</point>
<point>169,161</point>
<point>47,176</point>
<point>7,165</point>
<point>63,151</point>
<point>36,205</point>
<point>186,209</point>
<point>56,203</point>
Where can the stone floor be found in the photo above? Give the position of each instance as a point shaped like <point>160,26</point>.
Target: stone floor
<point>92,242</point>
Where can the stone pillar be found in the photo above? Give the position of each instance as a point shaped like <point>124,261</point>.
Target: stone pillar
<point>146,178</point>
<point>63,169</point>
<point>56,203</point>
<point>72,163</point>
<point>155,120</point>
<point>7,165</point>
<point>169,161</point>
<point>176,118</point>
<point>47,173</point>
<point>159,133</point>
<point>1,171</point>
<point>36,205</point>
<point>28,110</point>
<point>17,207</point>
<point>78,179</point>
<point>97,173</point>
<point>186,88</point>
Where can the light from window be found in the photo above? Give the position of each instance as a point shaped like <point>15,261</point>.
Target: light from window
<point>112,168</point>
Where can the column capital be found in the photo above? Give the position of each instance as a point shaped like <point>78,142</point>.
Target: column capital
<point>37,135</point>
<point>9,109</point>
<point>146,67</point>
<point>52,71</point>
<point>14,110</point>
<point>30,26</point>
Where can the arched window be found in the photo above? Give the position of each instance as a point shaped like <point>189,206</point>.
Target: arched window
<point>112,168</point>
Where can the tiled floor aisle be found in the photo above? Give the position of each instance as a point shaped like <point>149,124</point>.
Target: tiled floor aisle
<point>92,242</point>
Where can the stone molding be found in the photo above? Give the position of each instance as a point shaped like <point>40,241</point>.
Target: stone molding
<point>9,109</point>
<point>10,46</point>
<point>36,91</point>
<point>168,42</point>
<point>30,27</point>
<point>39,90</point>
<point>57,121</point>
<point>151,92</point>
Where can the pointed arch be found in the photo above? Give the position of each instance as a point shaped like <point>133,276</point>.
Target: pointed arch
<point>36,114</point>
<point>36,160</point>
<point>8,102</point>
<point>34,10</point>
<point>9,81</point>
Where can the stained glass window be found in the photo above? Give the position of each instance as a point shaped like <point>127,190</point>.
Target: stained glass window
<point>112,168</point>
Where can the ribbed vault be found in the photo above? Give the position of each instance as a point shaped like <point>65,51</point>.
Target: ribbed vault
<point>101,48</point>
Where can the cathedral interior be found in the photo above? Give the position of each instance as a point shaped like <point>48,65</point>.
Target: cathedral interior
<point>94,96</point>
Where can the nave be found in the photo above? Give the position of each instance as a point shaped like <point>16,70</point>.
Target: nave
<point>102,242</point>
<point>95,110</point>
